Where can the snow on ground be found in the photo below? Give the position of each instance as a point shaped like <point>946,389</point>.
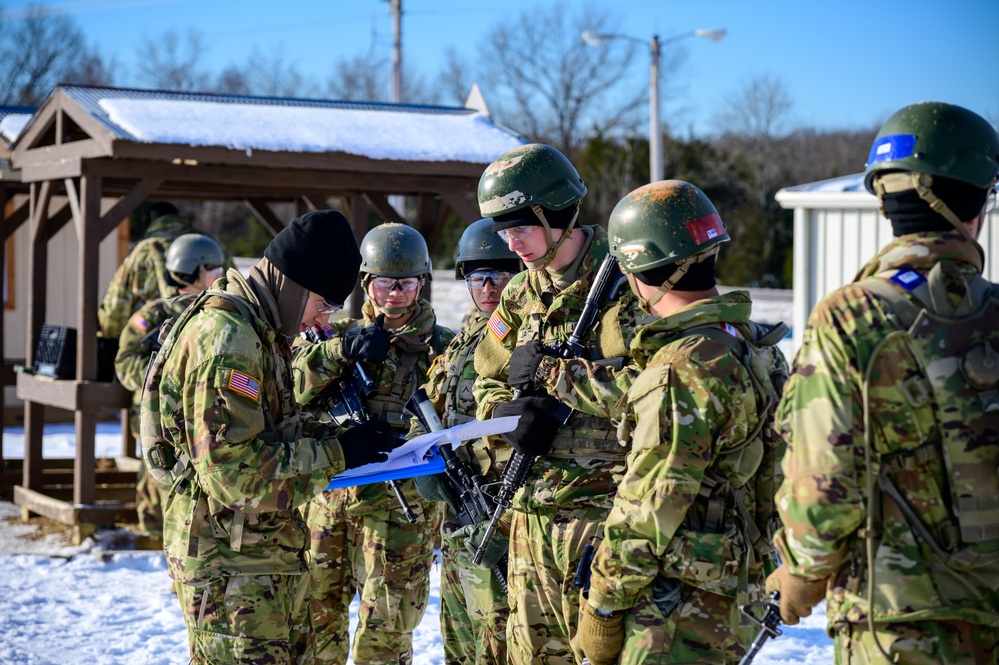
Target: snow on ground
<point>103,603</point>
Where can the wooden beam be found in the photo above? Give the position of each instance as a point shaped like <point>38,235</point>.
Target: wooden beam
<point>316,202</point>
<point>57,220</point>
<point>74,204</point>
<point>40,199</point>
<point>73,395</point>
<point>13,215</point>
<point>88,224</point>
<point>126,204</point>
<point>265,215</point>
<point>461,206</point>
<point>384,209</point>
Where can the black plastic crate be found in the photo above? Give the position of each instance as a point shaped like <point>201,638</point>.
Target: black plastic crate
<point>55,354</point>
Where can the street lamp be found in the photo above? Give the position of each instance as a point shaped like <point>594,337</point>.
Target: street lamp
<point>592,38</point>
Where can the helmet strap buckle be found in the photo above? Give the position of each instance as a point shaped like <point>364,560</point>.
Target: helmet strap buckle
<point>553,245</point>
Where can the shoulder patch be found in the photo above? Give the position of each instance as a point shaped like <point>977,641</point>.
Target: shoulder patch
<point>140,322</point>
<point>908,279</point>
<point>498,327</point>
<point>244,384</point>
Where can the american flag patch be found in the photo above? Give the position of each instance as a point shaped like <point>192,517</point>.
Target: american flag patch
<point>498,326</point>
<point>706,228</point>
<point>140,322</point>
<point>244,384</point>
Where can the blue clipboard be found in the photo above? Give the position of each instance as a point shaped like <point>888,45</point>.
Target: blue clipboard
<point>433,463</point>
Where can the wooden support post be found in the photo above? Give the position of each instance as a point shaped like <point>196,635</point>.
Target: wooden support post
<point>359,223</point>
<point>34,413</point>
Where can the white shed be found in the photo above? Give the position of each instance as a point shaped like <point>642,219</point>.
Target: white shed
<point>837,229</point>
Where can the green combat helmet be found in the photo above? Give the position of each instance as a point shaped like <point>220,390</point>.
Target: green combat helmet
<point>480,247</point>
<point>394,250</point>
<point>534,177</point>
<point>933,139</point>
<point>663,223</point>
<point>189,253</point>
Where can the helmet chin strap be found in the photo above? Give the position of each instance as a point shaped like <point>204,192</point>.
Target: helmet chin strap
<point>540,264</point>
<point>902,181</point>
<point>682,266</point>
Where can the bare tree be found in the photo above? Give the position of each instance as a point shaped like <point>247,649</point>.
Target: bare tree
<point>455,78</point>
<point>551,85</point>
<point>40,49</point>
<point>265,73</point>
<point>753,122</point>
<point>365,78</point>
<point>173,62</point>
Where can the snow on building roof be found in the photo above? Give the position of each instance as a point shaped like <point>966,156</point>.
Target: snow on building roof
<point>13,120</point>
<point>405,132</point>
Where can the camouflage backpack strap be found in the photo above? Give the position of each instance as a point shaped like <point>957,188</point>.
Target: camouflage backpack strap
<point>162,460</point>
<point>717,495</point>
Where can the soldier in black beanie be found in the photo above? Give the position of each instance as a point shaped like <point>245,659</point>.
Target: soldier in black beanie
<point>242,461</point>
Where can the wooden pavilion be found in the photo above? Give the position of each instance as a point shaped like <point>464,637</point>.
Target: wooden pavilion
<point>85,145</point>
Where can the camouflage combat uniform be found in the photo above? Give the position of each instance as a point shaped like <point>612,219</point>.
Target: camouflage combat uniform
<point>570,491</point>
<point>474,607</point>
<point>234,535</point>
<point>936,584</point>
<point>361,539</point>
<point>675,556</point>
<point>141,277</point>
<point>135,348</point>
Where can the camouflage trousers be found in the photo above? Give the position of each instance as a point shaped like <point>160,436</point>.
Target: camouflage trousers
<point>545,549</point>
<point>473,606</point>
<point>673,623</point>
<point>149,499</point>
<point>249,619</point>
<point>385,559</point>
<point>918,643</point>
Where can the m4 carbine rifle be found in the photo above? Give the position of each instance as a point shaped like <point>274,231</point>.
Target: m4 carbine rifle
<point>519,466</point>
<point>466,487</point>
<point>769,625</point>
<point>344,401</point>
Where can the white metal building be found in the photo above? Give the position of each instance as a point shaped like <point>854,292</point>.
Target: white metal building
<point>837,229</point>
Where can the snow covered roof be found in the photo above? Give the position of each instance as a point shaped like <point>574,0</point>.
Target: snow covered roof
<point>13,120</point>
<point>835,192</point>
<point>403,132</point>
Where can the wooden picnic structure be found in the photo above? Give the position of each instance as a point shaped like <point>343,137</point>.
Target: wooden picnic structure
<point>81,167</point>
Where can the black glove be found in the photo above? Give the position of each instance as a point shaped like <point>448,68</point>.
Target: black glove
<point>537,427</point>
<point>524,364</point>
<point>370,343</point>
<point>368,442</point>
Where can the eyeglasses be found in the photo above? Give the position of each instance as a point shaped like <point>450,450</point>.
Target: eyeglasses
<point>327,307</point>
<point>406,285</point>
<point>516,233</point>
<point>478,279</point>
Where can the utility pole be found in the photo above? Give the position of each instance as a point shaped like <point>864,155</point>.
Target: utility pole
<point>395,84</point>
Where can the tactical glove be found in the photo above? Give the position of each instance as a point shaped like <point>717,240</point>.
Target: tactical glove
<point>473,533</point>
<point>433,488</point>
<point>368,443</point>
<point>537,427</point>
<point>797,596</point>
<point>370,343</point>
<point>524,364</point>
<point>600,637</point>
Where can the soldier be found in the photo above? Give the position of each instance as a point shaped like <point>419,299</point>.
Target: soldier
<point>361,539</point>
<point>193,263</point>
<point>473,602</point>
<point>690,529</point>
<point>142,276</point>
<point>532,194</point>
<point>244,461</point>
<point>890,501</point>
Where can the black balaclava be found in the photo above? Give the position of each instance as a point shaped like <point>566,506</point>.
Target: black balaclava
<point>911,214</point>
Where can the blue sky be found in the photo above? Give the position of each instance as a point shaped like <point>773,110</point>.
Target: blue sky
<point>845,64</point>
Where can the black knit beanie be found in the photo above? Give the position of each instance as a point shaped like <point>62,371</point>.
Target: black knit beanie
<point>318,251</point>
<point>910,214</point>
<point>557,219</point>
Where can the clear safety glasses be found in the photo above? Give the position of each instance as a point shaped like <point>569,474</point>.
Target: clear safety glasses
<point>406,285</point>
<point>516,233</point>
<point>478,279</point>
